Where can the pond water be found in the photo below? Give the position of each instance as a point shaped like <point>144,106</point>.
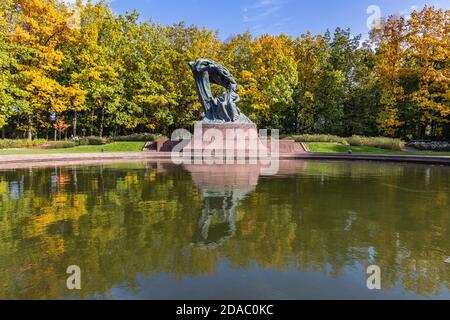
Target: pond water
<point>159,231</point>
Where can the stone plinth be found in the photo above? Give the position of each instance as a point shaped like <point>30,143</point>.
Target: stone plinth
<point>242,131</point>
<point>242,139</point>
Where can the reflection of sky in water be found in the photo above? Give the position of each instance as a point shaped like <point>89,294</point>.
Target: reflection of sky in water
<point>15,189</point>
<point>264,284</point>
<point>53,183</point>
<point>158,231</point>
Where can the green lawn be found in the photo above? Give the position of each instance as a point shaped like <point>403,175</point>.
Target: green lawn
<point>113,147</point>
<point>327,147</point>
<point>316,147</point>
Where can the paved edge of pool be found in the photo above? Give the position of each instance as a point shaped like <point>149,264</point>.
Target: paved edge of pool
<point>136,156</point>
<point>439,160</point>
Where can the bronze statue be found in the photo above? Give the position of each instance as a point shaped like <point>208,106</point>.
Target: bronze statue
<point>221,109</point>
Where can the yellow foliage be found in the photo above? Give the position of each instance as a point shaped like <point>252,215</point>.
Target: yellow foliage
<point>416,48</point>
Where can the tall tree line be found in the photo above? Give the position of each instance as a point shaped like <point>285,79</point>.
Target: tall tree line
<point>76,70</point>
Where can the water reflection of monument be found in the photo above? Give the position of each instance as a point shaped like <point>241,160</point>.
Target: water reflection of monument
<point>223,188</point>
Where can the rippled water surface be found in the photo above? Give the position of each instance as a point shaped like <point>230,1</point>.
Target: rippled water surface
<point>156,230</point>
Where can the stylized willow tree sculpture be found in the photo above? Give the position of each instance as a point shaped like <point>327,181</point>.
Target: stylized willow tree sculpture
<point>221,109</point>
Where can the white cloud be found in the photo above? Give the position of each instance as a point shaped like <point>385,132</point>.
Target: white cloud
<point>440,4</point>
<point>407,12</point>
<point>261,9</point>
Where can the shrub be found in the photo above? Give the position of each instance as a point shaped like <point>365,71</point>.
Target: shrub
<point>92,141</point>
<point>13,143</point>
<point>96,141</point>
<point>61,144</point>
<point>430,145</point>
<point>81,141</point>
<point>376,142</point>
<point>356,141</point>
<point>319,138</point>
<point>140,137</point>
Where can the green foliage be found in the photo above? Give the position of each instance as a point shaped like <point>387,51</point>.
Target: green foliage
<point>61,144</point>
<point>413,68</point>
<point>81,69</point>
<point>16,143</point>
<point>92,141</point>
<point>377,142</point>
<point>430,145</point>
<point>144,137</point>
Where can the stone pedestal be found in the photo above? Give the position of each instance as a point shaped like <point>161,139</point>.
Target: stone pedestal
<point>227,128</point>
<point>241,139</point>
<point>225,137</point>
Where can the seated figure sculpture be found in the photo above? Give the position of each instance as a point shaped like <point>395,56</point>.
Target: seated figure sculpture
<point>221,109</point>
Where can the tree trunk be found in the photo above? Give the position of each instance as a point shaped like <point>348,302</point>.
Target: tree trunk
<point>447,132</point>
<point>297,120</point>
<point>102,119</point>
<point>421,133</point>
<point>3,133</point>
<point>55,131</point>
<point>92,121</point>
<point>30,129</point>
<point>75,115</point>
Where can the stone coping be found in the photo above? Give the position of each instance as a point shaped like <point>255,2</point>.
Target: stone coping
<point>439,160</point>
<point>23,160</point>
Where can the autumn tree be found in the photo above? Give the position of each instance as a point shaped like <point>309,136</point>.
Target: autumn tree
<point>362,103</point>
<point>413,65</point>
<point>187,43</point>
<point>6,98</point>
<point>427,57</point>
<point>236,54</point>
<point>94,66</point>
<point>354,98</point>
<point>148,94</point>
<point>114,74</point>
<point>41,26</point>
<point>390,67</point>
<point>310,53</point>
<point>268,86</point>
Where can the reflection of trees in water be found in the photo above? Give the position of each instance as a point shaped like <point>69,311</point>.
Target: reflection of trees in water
<point>117,221</point>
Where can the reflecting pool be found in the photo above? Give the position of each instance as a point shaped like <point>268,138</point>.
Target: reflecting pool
<point>154,230</point>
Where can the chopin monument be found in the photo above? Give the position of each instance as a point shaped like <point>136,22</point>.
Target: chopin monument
<point>221,113</point>
<point>223,126</point>
<point>221,109</point>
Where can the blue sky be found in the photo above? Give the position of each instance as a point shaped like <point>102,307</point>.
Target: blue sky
<point>270,16</point>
